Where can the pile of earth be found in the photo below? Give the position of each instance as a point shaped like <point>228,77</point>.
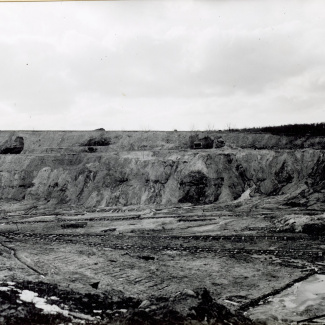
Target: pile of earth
<point>313,225</point>
<point>49,304</point>
<point>13,145</point>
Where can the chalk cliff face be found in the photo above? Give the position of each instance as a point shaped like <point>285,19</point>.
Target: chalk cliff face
<point>45,172</point>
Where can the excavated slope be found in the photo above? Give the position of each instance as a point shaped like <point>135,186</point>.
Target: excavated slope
<point>98,168</point>
<point>78,141</point>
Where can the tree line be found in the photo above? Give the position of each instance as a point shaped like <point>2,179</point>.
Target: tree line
<point>313,129</point>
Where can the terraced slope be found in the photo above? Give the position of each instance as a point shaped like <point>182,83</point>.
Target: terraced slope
<point>99,169</point>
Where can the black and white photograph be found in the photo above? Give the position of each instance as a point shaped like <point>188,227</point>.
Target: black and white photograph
<point>162,162</point>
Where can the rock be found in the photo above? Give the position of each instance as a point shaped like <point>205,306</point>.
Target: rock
<point>146,257</point>
<point>314,229</point>
<point>189,292</point>
<point>201,141</point>
<point>219,143</point>
<point>151,308</point>
<point>140,317</point>
<point>12,146</point>
<point>91,149</point>
<point>97,142</point>
<point>194,186</point>
<point>81,316</point>
<point>189,307</point>
<point>145,304</point>
<point>197,188</point>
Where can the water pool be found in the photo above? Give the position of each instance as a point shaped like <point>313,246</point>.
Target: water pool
<point>303,300</point>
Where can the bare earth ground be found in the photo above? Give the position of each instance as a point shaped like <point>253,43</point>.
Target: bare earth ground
<point>147,253</point>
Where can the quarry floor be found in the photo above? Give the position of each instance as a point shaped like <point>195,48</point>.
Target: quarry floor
<point>147,252</point>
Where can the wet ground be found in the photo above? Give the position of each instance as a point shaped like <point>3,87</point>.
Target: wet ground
<point>303,301</point>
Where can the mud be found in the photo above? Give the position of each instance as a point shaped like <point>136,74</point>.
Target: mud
<point>191,307</point>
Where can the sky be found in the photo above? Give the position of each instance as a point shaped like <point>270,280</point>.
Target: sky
<point>161,65</point>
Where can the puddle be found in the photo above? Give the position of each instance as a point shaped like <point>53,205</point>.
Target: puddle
<point>304,300</point>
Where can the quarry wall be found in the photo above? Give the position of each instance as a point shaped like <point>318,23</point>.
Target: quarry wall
<point>100,168</point>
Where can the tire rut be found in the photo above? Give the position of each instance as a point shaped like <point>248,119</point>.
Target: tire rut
<point>15,255</point>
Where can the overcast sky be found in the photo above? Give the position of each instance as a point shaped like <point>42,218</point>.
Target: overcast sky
<point>161,65</point>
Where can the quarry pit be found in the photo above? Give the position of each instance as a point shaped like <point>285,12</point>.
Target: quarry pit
<point>157,227</point>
